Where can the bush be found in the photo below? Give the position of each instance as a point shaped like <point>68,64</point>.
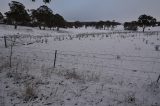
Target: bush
<point>157,47</point>
<point>132,28</point>
<point>30,93</point>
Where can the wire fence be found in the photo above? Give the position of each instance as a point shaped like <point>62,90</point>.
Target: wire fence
<point>78,60</point>
<point>125,66</point>
<point>93,61</point>
<point>67,36</point>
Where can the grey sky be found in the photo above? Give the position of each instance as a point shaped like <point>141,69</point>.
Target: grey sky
<point>93,10</point>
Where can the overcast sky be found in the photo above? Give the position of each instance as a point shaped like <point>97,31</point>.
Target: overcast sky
<point>94,10</point>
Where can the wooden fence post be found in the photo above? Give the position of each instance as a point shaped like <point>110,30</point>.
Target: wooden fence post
<point>55,58</point>
<point>5,41</point>
<point>11,53</point>
<point>10,57</point>
<point>158,78</point>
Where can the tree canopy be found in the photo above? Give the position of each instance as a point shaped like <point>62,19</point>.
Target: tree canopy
<point>1,16</point>
<point>59,21</point>
<point>43,15</point>
<point>17,13</point>
<point>145,21</point>
<point>45,1</point>
<point>131,26</point>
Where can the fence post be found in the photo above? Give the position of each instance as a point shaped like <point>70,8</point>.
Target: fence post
<point>11,53</point>
<point>5,41</point>
<point>55,58</point>
<point>158,78</point>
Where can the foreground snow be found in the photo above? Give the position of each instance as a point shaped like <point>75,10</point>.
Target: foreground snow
<point>93,68</point>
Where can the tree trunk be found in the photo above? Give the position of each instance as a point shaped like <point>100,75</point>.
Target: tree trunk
<point>40,27</point>
<point>15,26</point>
<point>143,28</point>
<point>57,28</point>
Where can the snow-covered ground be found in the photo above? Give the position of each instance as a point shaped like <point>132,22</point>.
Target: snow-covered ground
<point>92,67</point>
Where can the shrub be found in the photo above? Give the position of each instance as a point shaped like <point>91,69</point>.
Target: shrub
<point>157,47</point>
<point>30,93</point>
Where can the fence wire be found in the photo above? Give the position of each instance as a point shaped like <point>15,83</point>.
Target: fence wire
<point>85,60</point>
<point>91,61</point>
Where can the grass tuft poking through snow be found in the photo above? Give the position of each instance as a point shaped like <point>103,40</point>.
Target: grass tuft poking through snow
<point>30,93</point>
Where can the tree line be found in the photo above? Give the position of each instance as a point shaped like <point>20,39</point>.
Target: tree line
<point>45,1</point>
<point>98,25</point>
<point>143,21</point>
<point>43,17</point>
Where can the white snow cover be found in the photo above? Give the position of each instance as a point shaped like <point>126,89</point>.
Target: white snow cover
<point>93,67</point>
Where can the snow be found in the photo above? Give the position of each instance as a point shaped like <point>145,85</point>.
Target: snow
<point>93,67</point>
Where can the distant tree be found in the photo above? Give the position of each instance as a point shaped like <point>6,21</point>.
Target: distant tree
<point>50,21</point>
<point>131,26</point>
<point>69,24</point>
<point>153,22</point>
<point>158,23</point>
<point>17,13</point>
<point>146,21</point>
<point>43,16</point>
<point>1,16</point>
<point>114,24</point>
<point>100,25</point>
<point>78,24</point>
<point>59,21</point>
<point>45,1</point>
<point>34,22</point>
<point>108,24</point>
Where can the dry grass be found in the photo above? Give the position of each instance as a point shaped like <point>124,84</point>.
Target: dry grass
<point>30,93</point>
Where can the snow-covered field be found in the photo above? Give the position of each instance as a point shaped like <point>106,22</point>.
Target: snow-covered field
<point>92,67</point>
